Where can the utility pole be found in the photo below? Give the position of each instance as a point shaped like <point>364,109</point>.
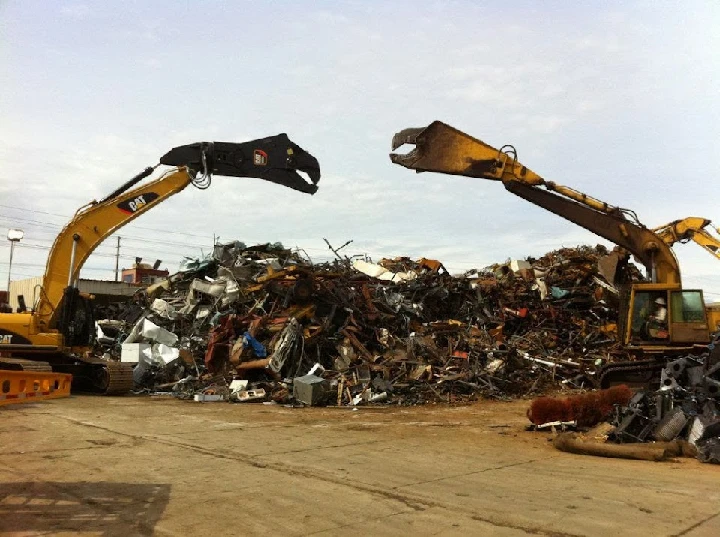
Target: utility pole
<point>117,259</point>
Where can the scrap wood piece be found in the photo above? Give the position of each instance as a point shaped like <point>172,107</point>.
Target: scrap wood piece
<point>355,342</point>
<point>420,371</point>
<point>312,331</point>
<point>277,274</point>
<point>260,363</point>
<point>341,387</point>
<point>571,443</point>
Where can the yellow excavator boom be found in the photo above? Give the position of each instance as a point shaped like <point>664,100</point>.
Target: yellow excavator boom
<point>444,149</point>
<point>89,227</point>
<point>274,159</point>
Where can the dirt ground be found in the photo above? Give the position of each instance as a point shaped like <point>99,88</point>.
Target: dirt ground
<point>156,466</point>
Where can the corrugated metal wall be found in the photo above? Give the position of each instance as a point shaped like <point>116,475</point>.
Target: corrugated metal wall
<point>98,287</point>
<point>27,288</point>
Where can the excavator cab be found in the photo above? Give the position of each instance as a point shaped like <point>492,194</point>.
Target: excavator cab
<point>76,321</point>
<point>662,316</point>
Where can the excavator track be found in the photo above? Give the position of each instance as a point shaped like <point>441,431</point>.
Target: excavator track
<point>120,378</point>
<point>97,376</point>
<point>638,374</point>
<point>18,364</point>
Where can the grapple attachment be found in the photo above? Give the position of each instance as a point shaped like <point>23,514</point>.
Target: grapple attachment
<point>444,149</point>
<point>275,159</point>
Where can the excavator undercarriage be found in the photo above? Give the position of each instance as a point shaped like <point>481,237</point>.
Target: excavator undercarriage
<point>96,375</point>
<point>89,374</point>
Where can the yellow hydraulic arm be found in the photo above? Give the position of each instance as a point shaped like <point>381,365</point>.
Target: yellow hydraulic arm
<point>274,159</point>
<point>444,149</point>
<point>692,228</point>
<point>93,224</point>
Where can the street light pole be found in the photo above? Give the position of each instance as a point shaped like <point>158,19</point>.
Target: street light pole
<point>14,235</point>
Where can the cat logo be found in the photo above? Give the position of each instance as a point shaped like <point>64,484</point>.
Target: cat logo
<point>132,206</point>
<point>136,203</point>
<point>6,339</point>
<point>260,157</point>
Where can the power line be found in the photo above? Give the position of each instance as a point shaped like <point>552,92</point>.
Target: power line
<point>153,250</point>
<point>138,227</point>
<point>138,239</point>
<point>185,245</point>
<point>39,265</point>
<point>55,226</point>
<point>708,279</point>
<point>102,254</point>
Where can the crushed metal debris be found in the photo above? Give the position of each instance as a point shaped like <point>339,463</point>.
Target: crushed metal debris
<point>685,407</point>
<point>354,332</point>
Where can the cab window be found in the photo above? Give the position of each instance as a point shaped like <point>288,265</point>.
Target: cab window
<point>641,309</point>
<point>687,307</point>
<point>649,316</point>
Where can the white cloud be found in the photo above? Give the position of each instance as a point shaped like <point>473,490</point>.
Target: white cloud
<point>329,17</point>
<point>75,11</point>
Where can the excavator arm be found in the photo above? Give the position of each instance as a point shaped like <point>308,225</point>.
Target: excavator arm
<point>275,159</point>
<point>444,149</point>
<point>692,228</point>
<point>61,327</point>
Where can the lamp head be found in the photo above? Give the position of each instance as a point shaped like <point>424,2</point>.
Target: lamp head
<point>15,234</point>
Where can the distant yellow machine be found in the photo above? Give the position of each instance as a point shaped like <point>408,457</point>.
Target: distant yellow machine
<point>60,330</point>
<point>692,228</point>
<point>698,230</point>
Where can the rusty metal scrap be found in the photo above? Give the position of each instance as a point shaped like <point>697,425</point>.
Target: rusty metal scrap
<point>512,329</point>
<point>686,407</point>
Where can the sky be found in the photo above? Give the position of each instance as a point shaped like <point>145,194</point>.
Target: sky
<point>616,99</point>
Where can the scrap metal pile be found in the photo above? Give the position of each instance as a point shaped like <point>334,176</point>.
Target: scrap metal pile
<point>264,323</point>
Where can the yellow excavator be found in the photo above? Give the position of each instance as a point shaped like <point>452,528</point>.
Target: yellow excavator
<point>658,320</point>
<point>698,230</point>
<point>59,332</point>
<point>692,228</point>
